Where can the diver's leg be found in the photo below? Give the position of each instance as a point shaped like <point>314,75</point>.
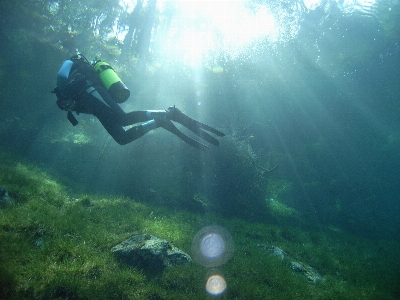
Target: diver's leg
<point>135,132</point>
<point>119,134</point>
<point>122,136</point>
<point>143,116</point>
<point>111,119</point>
<point>130,118</point>
<point>133,117</point>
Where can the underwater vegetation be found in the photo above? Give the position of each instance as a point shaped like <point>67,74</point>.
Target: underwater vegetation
<point>297,230</point>
<point>56,245</point>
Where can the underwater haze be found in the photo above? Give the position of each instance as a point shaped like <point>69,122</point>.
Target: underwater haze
<point>307,93</point>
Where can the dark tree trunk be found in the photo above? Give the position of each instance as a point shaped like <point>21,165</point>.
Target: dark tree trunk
<point>133,27</point>
<point>144,36</point>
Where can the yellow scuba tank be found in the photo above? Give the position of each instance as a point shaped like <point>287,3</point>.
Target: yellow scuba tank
<point>114,85</point>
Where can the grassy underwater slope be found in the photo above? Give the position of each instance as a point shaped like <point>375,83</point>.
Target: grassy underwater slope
<point>57,246</point>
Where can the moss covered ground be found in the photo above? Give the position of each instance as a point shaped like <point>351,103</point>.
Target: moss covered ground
<point>56,245</point>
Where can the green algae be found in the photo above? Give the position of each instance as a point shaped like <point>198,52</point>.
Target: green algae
<point>57,246</point>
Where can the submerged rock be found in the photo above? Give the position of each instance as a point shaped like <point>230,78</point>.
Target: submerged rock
<point>5,199</point>
<point>150,253</point>
<point>306,270</point>
<point>277,252</point>
<point>310,273</point>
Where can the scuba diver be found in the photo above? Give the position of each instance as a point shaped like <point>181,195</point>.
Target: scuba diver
<point>96,89</point>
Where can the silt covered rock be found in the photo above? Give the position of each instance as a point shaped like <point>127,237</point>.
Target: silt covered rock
<point>150,253</point>
<point>5,199</point>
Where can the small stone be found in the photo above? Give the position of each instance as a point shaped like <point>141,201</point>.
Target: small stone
<point>5,199</point>
<point>39,243</point>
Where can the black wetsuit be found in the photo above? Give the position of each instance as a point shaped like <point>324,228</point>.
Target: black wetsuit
<point>111,116</point>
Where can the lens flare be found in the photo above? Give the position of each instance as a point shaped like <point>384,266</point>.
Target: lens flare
<point>212,246</point>
<point>216,285</point>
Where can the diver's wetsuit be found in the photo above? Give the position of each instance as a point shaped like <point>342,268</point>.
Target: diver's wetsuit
<point>96,100</point>
<point>112,117</point>
<point>79,89</point>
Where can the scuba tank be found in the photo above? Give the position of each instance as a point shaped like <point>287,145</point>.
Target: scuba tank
<point>114,85</point>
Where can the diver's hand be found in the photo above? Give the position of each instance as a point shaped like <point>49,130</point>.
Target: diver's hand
<point>63,101</point>
<point>67,104</point>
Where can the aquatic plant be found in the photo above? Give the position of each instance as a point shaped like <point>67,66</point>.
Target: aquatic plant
<point>56,245</point>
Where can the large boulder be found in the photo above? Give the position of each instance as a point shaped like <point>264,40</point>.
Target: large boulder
<point>150,253</point>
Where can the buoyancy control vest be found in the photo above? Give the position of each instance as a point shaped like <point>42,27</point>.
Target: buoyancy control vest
<point>101,73</point>
<point>74,76</point>
<point>81,65</point>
